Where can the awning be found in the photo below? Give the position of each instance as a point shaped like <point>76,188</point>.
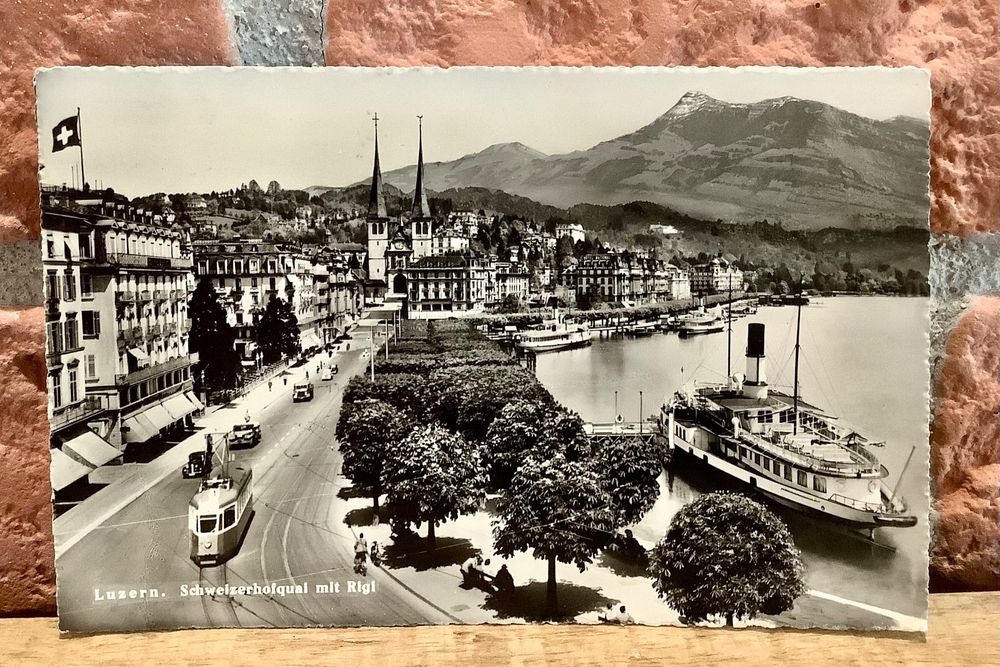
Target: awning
<point>138,353</point>
<point>368,323</point>
<point>178,406</point>
<point>159,416</point>
<point>64,470</point>
<point>92,448</point>
<point>140,428</point>
<point>198,405</point>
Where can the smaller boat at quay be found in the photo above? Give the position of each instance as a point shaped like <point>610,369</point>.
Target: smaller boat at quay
<point>553,338</point>
<point>701,322</point>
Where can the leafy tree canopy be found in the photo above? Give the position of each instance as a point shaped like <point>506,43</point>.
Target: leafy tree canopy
<point>369,432</point>
<point>726,555</point>
<point>213,339</point>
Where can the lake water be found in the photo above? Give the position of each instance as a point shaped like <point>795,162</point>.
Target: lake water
<point>862,358</point>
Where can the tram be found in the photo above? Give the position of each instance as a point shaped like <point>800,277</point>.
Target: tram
<point>218,516</point>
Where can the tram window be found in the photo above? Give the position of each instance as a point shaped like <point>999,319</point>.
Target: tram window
<point>819,483</point>
<point>207,523</point>
<point>788,472</point>
<point>802,478</point>
<point>229,517</point>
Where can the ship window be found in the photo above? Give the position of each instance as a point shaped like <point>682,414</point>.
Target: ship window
<point>802,478</point>
<point>819,483</point>
<point>207,522</point>
<point>229,517</point>
<point>788,472</point>
<point>765,417</point>
<point>767,463</point>
<point>743,452</point>
<point>756,459</point>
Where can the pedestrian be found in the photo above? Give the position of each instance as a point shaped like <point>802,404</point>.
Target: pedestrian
<point>269,385</point>
<point>360,554</point>
<point>503,582</point>
<point>286,381</point>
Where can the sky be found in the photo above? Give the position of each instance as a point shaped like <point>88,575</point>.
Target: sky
<point>148,130</point>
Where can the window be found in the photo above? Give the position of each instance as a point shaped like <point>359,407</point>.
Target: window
<point>207,523</point>
<point>744,453</point>
<point>52,285</point>
<point>87,287</point>
<point>788,472</point>
<point>73,389</point>
<point>90,367</point>
<point>72,339</point>
<point>85,248</point>
<point>55,338</point>
<point>767,463</point>
<point>756,458</point>
<point>229,517</point>
<point>819,483</point>
<point>55,387</point>
<point>50,247</point>
<point>801,478</point>
<point>69,287</point>
<point>91,323</point>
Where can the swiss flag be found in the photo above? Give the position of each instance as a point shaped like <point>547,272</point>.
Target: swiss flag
<point>66,134</point>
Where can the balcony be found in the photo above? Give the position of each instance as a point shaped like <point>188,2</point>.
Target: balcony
<point>156,369</point>
<point>125,296</point>
<point>179,294</point>
<point>128,260</point>
<point>154,330</point>
<point>144,295</point>
<point>187,324</point>
<point>160,295</point>
<point>90,406</point>
<point>169,328</point>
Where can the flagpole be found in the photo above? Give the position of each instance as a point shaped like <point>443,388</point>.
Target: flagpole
<point>79,130</point>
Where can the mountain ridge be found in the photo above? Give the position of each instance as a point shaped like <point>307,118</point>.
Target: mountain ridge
<point>804,162</point>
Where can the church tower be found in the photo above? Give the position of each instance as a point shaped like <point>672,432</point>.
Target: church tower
<point>420,211</point>
<point>378,220</point>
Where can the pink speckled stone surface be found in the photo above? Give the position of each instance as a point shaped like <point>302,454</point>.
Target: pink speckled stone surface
<point>965,453</point>
<point>957,41</point>
<point>43,33</point>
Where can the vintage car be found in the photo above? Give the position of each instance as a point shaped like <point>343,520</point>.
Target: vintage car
<point>245,435</point>
<point>196,466</point>
<point>302,391</point>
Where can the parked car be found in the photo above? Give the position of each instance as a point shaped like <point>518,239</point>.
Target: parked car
<point>334,368</point>
<point>302,392</point>
<point>327,374</point>
<point>197,465</point>
<point>245,435</point>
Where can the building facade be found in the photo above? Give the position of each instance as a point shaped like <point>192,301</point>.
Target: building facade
<point>715,276</point>
<point>117,283</point>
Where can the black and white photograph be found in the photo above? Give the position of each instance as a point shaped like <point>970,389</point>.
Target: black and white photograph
<point>391,347</point>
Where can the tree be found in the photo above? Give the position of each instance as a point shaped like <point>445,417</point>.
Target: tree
<point>726,555</point>
<point>212,337</point>
<point>554,507</point>
<point>434,475</point>
<point>277,331</point>
<point>631,469</point>
<point>510,304</point>
<point>369,432</point>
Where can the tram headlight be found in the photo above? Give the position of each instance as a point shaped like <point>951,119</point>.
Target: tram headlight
<point>207,544</point>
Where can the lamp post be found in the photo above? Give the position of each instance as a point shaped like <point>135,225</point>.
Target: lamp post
<point>616,405</point>
<point>640,412</point>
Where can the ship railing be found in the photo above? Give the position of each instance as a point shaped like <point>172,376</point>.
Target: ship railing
<point>859,504</point>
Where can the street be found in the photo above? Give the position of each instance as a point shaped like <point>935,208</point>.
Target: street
<point>296,536</point>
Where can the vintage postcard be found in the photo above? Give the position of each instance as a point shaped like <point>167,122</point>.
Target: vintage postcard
<point>371,347</point>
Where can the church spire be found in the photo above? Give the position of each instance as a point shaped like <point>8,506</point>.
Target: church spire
<point>376,201</point>
<point>420,208</point>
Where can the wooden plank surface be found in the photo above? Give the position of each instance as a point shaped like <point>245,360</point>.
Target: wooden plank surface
<point>964,630</point>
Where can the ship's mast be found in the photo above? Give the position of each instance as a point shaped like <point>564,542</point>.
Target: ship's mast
<point>795,389</point>
<point>729,339</point>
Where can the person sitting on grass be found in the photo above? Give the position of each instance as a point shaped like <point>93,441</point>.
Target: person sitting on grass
<point>620,618</point>
<point>470,571</point>
<point>503,582</point>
